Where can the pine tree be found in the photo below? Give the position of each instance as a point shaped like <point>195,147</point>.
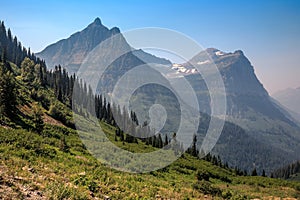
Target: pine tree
<point>27,70</point>
<point>3,54</point>
<point>254,172</point>
<point>38,123</point>
<point>121,135</point>
<point>193,149</point>
<point>38,74</point>
<point>263,173</point>
<point>159,141</point>
<point>166,140</point>
<point>8,100</point>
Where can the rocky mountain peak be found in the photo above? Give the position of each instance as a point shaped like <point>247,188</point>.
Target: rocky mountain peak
<point>115,30</point>
<point>71,52</point>
<point>97,21</point>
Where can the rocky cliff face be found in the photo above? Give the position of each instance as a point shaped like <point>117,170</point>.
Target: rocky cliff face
<point>71,52</point>
<point>245,94</point>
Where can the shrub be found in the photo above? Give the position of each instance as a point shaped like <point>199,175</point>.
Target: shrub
<point>205,187</point>
<point>226,194</point>
<point>60,113</point>
<point>45,152</point>
<point>202,175</point>
<point>56,112</point>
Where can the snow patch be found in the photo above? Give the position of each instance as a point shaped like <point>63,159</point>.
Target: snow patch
<point>203,62</point>
<point>219,53</point>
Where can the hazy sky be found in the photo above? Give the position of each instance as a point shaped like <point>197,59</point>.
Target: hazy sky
<point>267,31</point>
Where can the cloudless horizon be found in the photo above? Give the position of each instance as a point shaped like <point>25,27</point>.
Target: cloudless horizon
<point>268,32</point>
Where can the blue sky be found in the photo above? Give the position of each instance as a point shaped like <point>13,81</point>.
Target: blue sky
<point>267,31</point>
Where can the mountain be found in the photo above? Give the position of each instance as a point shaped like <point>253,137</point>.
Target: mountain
<point>42,156</point>
<point>290,99</point>
<point>265,124</point>
<point>71,52</point>
<point>244,91</point>
<point>259,127</point>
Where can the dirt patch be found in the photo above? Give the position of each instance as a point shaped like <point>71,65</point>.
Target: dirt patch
<point>49,120</point>
<point>15,187</point>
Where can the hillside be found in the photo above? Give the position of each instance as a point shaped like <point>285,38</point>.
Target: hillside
<point>42,156</point>
<point>55,165</point>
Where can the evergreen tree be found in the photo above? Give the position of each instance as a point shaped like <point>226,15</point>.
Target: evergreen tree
<point>166,140</point>
<point>263,173</point>
<point>38,122</point>
<point>8,100</point>
<point>254,172</point>
<point>121,135</point>
<point>38,75</point>
<point>159,141</point>
<point>27,70</point>
<point>193,149</point>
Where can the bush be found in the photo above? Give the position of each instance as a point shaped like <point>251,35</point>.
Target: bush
<point>60,113</point>
<point>56,112</point>
<point>43,99</point>
<point>205,187</point>
<point>45,152</point>
<point>225,179</point>
<point>226,194</point>
<point>202,175</point>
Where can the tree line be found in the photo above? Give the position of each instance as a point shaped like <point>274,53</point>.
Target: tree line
<point>193,150</point>
<point>11,49</point>
<point>287,171</point>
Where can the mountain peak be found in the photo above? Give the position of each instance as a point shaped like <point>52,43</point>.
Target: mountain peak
<point>97,21</point>
<point>239,52</point>
<point>72,51</point>
<point>115,30</point>
<point>211,50</point>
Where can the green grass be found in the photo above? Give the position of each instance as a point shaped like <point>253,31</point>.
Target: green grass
<point>295,177</point>
<point>56,164</point>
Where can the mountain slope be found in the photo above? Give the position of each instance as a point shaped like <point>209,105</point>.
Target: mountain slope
<point>290,171</point>
<point>290,99</point>
<point>71,52</point>
<point>266,125</point>
<point>70,172</point>
<point>243,89</point>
